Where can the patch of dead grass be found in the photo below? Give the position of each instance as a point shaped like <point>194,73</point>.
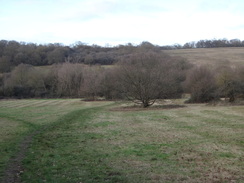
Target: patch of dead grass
<point>155,107</point>
<point>9,129</point>
<point>214,57</point>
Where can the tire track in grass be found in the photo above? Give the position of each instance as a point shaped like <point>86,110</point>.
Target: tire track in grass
<point>15,166</point>
<point>11,147</point>
<point>69,153</point>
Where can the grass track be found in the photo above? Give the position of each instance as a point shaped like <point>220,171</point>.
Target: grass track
<point>19,118</point>
<point>88,142</point>
<point>64,149</point>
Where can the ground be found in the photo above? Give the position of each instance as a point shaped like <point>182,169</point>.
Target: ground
<point>69,140</point>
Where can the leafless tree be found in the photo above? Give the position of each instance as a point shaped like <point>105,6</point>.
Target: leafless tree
<point>24,81</point>
<point>201,83</point>
<point>230,82</point>
<point>91,87</point>
<point>70,79</point>
<point>144,76</point>
<point>110,84</point>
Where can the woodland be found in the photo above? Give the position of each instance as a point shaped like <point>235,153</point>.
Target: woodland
<point>141,73</point>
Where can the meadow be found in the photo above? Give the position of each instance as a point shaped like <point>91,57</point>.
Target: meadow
<point>213,57</point>
<point>75,141</point>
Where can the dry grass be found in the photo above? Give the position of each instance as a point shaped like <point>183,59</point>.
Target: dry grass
<point>10,128</point>
<point>197,143</point>
<point>211,56</point>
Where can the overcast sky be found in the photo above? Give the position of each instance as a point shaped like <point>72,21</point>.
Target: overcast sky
<point>114,22</point>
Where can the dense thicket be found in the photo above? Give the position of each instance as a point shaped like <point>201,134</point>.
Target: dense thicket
<point>158,76</point>
<point>206,84</point>
<point>201,84</point>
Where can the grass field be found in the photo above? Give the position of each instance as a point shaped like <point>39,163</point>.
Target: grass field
<point>214,57</point>
<point>104,142</point>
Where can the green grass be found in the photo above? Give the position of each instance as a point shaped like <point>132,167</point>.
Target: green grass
<point>19,118</point>
<point>91,142</point>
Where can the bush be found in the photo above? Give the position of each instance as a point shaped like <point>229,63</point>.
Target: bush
<point>201,84</point>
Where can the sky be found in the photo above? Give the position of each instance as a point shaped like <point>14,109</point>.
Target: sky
<point>114,22</point>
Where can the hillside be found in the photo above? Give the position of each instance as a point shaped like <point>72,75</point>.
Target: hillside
<point>202,56</point>
<point>13,53</point>
<point>211,56</point>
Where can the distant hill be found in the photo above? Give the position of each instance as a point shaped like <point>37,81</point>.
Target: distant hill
<point>211,52</point>
<point>211,56</point>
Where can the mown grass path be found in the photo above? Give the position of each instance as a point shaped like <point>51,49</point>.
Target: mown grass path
<point>21,121</point>
<point>96,142</point>
<point>67,153</point>
<point>14,166</point>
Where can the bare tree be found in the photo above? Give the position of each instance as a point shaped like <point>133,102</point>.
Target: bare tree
<point>24,81</point>
<point>240,78</point>
<point>201,83</point>
<point>70,79</point>
<point>92,82</point>
<point>230,82</point>
<point>110,84</point>
<point>144,76</point>
<point>20,75</point>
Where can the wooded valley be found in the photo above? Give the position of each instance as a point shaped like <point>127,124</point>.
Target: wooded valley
<point>142,73</point>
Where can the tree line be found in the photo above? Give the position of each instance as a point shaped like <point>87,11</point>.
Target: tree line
<point>13,53</point>
<point>90,81</point>
<point>142,76</point>
<point>213,43</point>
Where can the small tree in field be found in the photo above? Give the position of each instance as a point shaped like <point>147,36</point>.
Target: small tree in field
<point>240,79</point>
<point>143,77</point>
<point>226,83</point>
<point>200,82</point>
<point>231,82</point>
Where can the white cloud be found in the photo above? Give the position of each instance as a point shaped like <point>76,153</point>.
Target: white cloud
<point>117,22</point>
